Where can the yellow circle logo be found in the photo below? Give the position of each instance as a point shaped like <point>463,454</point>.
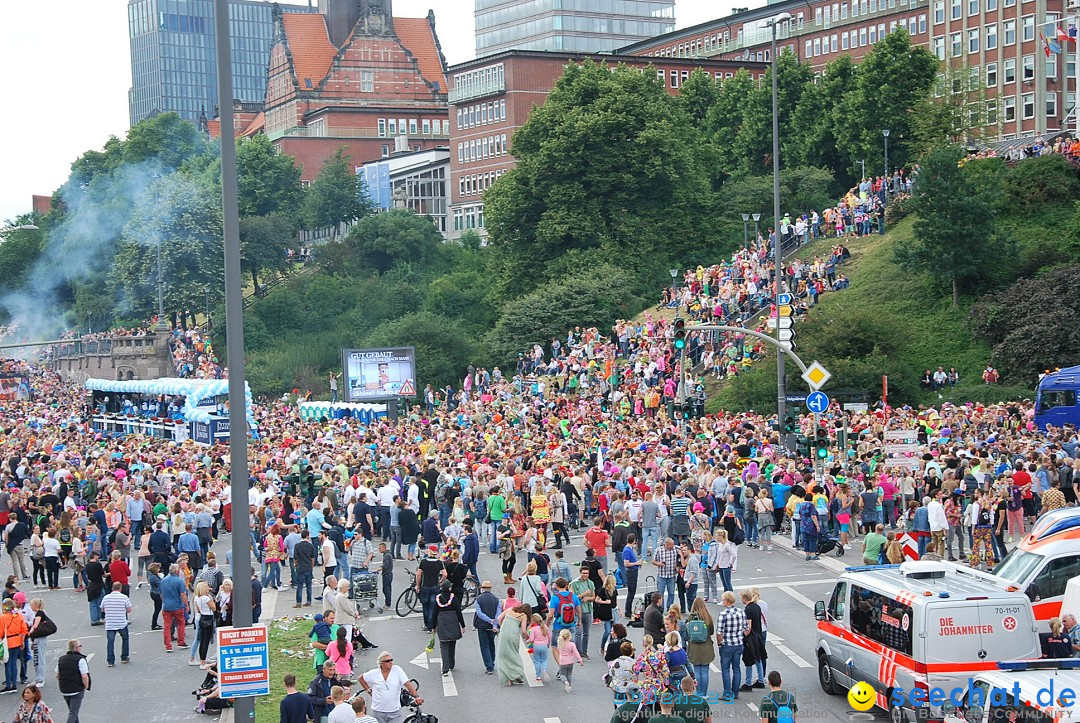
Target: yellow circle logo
<point>862,696</point>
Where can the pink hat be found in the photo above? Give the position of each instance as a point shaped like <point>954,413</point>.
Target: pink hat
<point>19,598</point>
<point>698,507</point>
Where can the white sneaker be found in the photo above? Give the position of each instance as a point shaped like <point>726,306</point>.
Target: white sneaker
<point>566,684</point>
<point>193,662</point>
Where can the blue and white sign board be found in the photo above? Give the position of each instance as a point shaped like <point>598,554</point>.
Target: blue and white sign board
<point>817,402</point>
<point>376,177</point>
<point>243,661</point>
<point>784,299</point>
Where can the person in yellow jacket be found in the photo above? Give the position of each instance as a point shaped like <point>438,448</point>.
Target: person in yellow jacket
<point>13,628</point>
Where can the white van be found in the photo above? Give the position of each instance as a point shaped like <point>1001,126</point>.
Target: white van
<point>921,624</point>
<point>1045,560</point>
<point>1031,693</point>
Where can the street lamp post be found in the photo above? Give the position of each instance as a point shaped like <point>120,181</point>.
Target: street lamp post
<point>863,176</point>
<point>161,325</point>
<point>757,226</point>
<point>885,133</point>
<point>778,254</point>
<point>746,230</point>
<point>674,273</point>
<point>207,290</point>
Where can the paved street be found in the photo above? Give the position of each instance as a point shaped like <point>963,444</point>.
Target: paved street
<point>158,685</point>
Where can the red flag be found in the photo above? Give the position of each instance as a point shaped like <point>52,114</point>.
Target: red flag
<point>1045,44</point>
<point>1066,36</point>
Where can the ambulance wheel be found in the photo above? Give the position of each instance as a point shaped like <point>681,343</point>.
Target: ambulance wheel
<point>825,676</point>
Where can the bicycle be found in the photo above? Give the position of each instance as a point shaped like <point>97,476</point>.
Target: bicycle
<point>470,592</point>
<point>417,715</point>
<point>409,599</point>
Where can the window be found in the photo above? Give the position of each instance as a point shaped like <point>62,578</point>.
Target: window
<point>957,43</point>
<point>991,36</point>
<point>957,10</point>
<point>817,16</point>
<point>843,44</point>
<point>412,126</point>
<point>973,7</point>
<point>484,114</point>
<point>674,79</point>
<point>1052,579</point>
<point>393,127</point>
<point>991,112</point>
<point>1070,65</point>
<point>862,37</point>
<point>1008,105</point>
<point>808,52</point>
<point>1051,105</point>
<point>843,11</point>
<point>991,5</point>
<point>1008,29</point>
<point>684,76</point>
<point>385,151</point>
<point>939,48</point>
<point>1027,23</point>
<point>939,12</point>
<point>382,128</point>
<point>817,47</point>
<point>459,118</point>
<point>1009,68</point>
<point>873,35</point>
<point>446,128</point>
<point>801,22</point>
<point>832,44</point>
<point>991,75</point>
<point>426,125</point>
<point>502,109</point>
<point>973,40</point>
<point>881,618</point>
<point>660,76</point>
<point>367,81</point>
<point>838,601</point>
<point>1027,65</point>
<point>1056,398</point>
<point>1051,67</point>
<point>1027,102</point>
<point>460,152</point>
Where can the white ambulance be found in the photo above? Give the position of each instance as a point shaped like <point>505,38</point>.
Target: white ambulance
<point>922,625</point>
<point>1044,562</point>
<point>1043,692</point>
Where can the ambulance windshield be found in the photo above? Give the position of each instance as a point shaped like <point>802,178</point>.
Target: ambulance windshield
<point>1018,565</point>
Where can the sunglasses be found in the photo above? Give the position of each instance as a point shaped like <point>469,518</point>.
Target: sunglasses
<point>387,660</point>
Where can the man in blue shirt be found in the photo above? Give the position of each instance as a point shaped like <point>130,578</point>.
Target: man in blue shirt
<point>174,607</point>
<point>103,528</point>
<point>188,544</point>
<point>631,564</point>
<point>559,615</point>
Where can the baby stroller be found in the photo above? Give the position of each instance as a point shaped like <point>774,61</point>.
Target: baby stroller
<point>826,545</point>
<point>365,589</point>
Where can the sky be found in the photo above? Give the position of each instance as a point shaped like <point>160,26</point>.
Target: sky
<point>68,65</point>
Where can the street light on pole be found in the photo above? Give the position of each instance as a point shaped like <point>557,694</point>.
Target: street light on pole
<point>757,227</point>
<point>885,133</point>
<point>746,230</point>
<point>674,273</point>
<point>778,254</point>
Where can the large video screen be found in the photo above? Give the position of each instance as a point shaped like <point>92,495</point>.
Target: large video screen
<point>373,374</point>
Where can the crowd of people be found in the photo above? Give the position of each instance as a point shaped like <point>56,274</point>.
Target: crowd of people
<point>193,355</point>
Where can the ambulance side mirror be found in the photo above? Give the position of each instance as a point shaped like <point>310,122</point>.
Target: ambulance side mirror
<point>819,610</point>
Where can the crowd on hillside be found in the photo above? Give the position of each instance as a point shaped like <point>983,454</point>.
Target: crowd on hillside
<point>193,355</point>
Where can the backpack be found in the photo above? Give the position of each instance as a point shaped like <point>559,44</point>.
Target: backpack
<point>65,536</point>
<point>784,714</point>
<point>697,631</point>
<point>738,537</point>
<point>440,491</point>
<point>565,608</point>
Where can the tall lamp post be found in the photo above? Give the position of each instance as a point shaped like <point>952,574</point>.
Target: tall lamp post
<point>885,134</point>
<point>674,273</point>
<point>746,230</point>
<point>757,226</point>
<point>778,254</point>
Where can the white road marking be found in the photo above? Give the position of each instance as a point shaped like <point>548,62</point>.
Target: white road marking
<point>552,720</point>
<point>752,707</point>
<point>798,596</point>
<point>791,654</point>
<point>421,660</point>
<point>527,664</point>
<point>449,689</point>
<point>713,668</point>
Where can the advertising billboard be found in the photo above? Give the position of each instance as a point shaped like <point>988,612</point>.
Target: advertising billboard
<point>375,374</point>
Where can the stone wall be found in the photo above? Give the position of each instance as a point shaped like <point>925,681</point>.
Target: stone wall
<point>131,357</point>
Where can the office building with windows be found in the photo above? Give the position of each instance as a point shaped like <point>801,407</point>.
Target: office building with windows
<point>1028,90</point>
<point>173,62</point>
<point>588,26</point>
<point>492,97</point>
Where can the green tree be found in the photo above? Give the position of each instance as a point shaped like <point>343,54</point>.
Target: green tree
<point>956,112</point>
<point>889,81</point>
<point>444,347</point>
<point>753,142</point>
<point>609,161</point>
<point>725,120</point>
<point>463,295</point>
<point>337,196</point>
<point>166,139</point>
<point>19,251</point>
<point>268,182</point>
<point>264,243</point>
<point>697,96</point>
<point>801,190</point>
<point>954,232</point>
<point>379,242</point>
<point>815,120</point>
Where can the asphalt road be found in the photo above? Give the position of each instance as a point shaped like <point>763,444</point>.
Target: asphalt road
<point>158,686</point>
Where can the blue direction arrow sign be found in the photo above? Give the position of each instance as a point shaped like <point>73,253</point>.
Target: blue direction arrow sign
<point>817,402</point>
<point>784,299</point>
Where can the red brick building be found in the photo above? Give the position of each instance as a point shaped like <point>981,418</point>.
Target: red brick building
<point>491,97</point>
<point>354,77</point>
<point>1026,93</point>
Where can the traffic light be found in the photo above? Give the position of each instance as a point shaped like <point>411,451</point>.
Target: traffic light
<point>789,424</point>
<point>821,443</point>
<point>680,334</point>
<point>802,446</point>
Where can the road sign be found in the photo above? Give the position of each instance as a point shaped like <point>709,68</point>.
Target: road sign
<point>816,376</point>
<point>901,448</point>
<point>909,462</point>
<point>817,402</point>
<point>901,434</point>
<point>243,661</point>
<point>786,310</point>
<point>789,345</point>
<point>783,299</point>
<point>784,322</point>
<point>785,334</point>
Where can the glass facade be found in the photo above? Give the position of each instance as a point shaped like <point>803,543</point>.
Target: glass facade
<point>575,25</point>
<point>173,64</point>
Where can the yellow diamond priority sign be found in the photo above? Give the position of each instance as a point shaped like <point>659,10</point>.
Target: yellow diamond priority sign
<point>816,375</point>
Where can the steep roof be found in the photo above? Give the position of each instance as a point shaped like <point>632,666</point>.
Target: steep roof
<point>417,35</point>
<point>257,124</point>
<point>309,43</point>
